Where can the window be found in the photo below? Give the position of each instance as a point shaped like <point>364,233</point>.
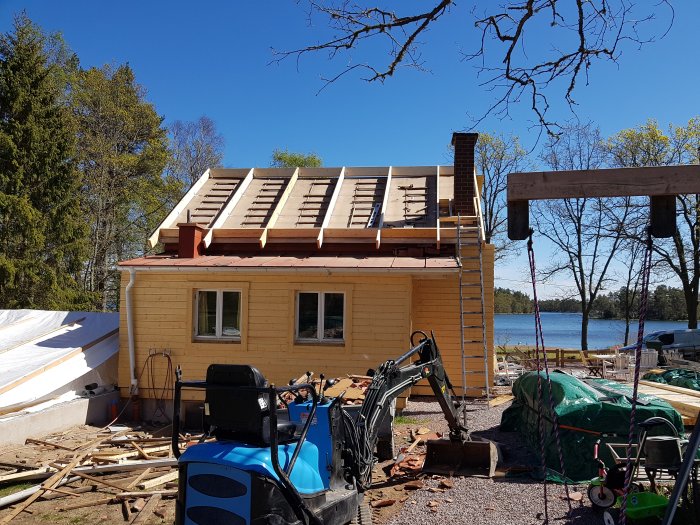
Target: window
<point>218,314</point>
<point>320,316</point>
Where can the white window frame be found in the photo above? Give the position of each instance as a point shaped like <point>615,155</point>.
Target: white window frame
<point>219,315</point>
<point>321,300</point>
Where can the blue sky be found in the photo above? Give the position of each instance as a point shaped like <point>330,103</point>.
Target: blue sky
<point>213,58</point>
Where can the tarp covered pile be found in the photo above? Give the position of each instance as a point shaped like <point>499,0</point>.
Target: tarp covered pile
<point>676,377</point>
<point>587,411</point>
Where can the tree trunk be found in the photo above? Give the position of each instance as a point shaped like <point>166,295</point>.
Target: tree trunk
<point>584,329</point>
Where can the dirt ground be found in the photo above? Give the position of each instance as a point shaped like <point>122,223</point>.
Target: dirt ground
<point>397,491</point>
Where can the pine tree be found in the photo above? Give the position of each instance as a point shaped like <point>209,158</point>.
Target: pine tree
<point>42,232</point>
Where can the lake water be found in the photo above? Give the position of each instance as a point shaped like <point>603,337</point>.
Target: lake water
<point>564,330</point>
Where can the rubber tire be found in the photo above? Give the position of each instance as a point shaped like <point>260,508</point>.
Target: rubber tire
<point>611,517</point>
<point>594,496</point>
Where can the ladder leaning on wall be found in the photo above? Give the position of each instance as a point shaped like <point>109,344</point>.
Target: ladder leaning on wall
<point>472,310</point>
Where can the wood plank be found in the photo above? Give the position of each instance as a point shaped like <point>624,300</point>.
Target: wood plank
<point>28,475</point>
<point>671,388</point>
<point>147,510</point>
<point>186,198</point>
<point>160,480</point>
<point>84,504</point>
<point>226,210</point>
<point>331,206</point>
<point>280,205</point>
<point>609,182</point>
<point>499,400</point>
<point>383,209</point>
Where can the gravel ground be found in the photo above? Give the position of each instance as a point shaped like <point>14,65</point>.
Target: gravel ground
<point>497,501</point>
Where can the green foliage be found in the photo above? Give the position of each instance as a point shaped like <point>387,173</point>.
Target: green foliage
<point>42,231</point>
<point>508,301</point>
<point>122,151</point>
<point>288,159</point>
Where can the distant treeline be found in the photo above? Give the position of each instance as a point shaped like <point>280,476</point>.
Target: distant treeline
<point>665,304</point>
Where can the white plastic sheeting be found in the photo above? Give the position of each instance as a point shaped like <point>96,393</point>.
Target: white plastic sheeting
<point>45,354</point>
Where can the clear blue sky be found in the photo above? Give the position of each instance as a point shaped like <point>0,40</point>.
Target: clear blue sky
<point>212,58</point>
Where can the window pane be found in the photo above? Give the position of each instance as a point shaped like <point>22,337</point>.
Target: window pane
<point>333,316</point>
<point>206,309</point>
<point>307,326</point>
<point>230,317</point>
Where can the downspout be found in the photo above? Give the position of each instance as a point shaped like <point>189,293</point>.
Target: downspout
<point>134,390</point>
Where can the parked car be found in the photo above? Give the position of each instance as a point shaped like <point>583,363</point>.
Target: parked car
<point>674,344</point>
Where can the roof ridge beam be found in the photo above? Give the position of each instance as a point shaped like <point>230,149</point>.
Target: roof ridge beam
<point>225,212</point>
<point>331,205</point>
<point>437,206</point>
<point>385,201</point>
<point>278,209</point>
<point>181,205</point>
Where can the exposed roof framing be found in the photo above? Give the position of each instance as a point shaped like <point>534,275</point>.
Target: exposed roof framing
<point>367,205</point>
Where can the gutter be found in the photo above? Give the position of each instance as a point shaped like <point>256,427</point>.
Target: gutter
<point>134,390</point>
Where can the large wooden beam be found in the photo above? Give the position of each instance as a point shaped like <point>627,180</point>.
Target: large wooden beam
<point>612,182</point>
<point>228,208</point>
<point>331,205</point>
<point>170,219</point>
<point>385,201</point>
<point>437,207</point>
<point>278,209</point>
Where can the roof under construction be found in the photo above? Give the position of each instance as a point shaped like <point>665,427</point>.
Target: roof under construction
<point>262,206</point>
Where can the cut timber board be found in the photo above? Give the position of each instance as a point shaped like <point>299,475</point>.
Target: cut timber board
<point>687,404</point>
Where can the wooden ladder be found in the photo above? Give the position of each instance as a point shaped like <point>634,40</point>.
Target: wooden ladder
<point>365,207</point>
<point>263,203</point>
<point>310,210</point>
<point>413,195</point>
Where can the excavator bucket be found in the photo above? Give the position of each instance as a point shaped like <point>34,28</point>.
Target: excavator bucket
<point>465,458</point>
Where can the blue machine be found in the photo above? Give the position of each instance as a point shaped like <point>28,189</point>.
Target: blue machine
<point>307,463</point>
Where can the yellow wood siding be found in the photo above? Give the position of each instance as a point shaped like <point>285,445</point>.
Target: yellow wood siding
<point>436,307</point>
<point>377,324</point>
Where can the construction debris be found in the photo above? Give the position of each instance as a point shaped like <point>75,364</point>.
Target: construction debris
<point>132,469</point>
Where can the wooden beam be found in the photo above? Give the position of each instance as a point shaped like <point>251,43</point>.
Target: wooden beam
<point>437,206</point>
<point>477,209</point>
<point>385,201</point>
<point>225,212</point>
<point>278,209</point>
<point>611,182</point>
<point>331,205</point>
<point>170,219</point>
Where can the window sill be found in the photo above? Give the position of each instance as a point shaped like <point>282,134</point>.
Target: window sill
<point>316,342</point>
<point>216,340</point>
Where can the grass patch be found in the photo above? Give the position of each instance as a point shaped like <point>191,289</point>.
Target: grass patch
<point>11,489</point>
<point>406,420</point>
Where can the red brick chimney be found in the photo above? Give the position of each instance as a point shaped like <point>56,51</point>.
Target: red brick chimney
<point>190,236</point>
<point>464,144</point>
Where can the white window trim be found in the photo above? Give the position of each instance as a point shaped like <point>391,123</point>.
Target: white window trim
<point>321,298</point>
<point>219,315</point>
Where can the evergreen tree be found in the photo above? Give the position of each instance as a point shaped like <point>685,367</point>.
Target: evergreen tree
<point>41,228</point>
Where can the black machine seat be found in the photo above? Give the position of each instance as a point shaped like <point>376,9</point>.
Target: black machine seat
<point>241,414</point>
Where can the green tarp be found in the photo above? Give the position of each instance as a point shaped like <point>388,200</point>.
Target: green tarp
<point>676,377</point>
<point>596,409</point>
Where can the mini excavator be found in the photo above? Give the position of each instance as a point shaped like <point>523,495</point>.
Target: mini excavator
<point>310,462</point>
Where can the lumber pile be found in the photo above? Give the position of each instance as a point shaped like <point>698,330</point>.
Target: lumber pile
<point>684,400</point>
<point>351,388</point>
<point>134,470</point>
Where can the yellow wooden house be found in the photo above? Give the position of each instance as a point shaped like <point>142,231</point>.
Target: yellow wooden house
<point>322,269</point>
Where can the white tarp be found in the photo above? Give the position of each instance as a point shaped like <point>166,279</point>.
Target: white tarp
<point>44,353</point>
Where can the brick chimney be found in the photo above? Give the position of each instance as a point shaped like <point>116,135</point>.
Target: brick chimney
<point>190,236</point>
<point>464,144</point>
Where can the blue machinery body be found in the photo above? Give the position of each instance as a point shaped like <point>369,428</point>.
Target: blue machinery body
<point>310,468</point>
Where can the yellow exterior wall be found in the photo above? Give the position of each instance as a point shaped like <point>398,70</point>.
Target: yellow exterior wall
<point>436,307</point>
<point>381,312</point>
<point>377,325</point>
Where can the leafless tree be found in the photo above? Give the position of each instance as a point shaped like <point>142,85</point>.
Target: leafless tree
<point>195,146</point>
<point>512,60</point>
<point>586,232</point>
<point>496,156</point>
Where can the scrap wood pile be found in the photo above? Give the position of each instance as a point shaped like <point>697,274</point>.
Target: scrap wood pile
<point>351,388</point>
<point>132,469</point>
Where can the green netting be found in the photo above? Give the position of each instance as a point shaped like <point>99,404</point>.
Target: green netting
<point>595,409</point>
<point>676,377</point>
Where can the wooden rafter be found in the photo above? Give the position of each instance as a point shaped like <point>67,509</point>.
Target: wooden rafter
<point>385,201</point>
<point>437,206</point>
<point>225,212</point>
<point>278,209</point>
<point>331,205</point>
<point>168,222</point>
<point>478,210</point>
